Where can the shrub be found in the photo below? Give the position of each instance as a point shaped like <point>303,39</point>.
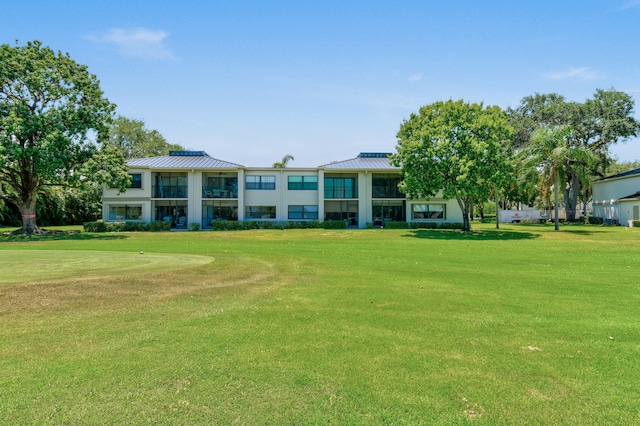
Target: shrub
<point>529,220</point>
<point>334,224</point>
<point>593,220</point>
<point>98,226</point>
<point>396,225</point>
<point>101,226</point>
<point>194,226</point>
<point>635,223</point>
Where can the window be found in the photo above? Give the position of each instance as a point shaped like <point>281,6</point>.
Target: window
<point>386,186</point>
<point>260,212</point>
<point>303,212</point>
<point>428,211</point>
<point>303,182</point>
<point>125,212</point>
<point>260,182</point>
<point>340,187</point>
<point>170,185</point>
<point>136,180</point>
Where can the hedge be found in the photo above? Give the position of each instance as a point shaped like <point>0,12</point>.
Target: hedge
<point>101,226</point>
<point>223,225</point>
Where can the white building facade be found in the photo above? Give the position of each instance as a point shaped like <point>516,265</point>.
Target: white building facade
<point>191,187</point>
<point>616,198</point>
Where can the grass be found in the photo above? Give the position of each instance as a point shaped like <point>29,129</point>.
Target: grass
<point>521,325</point>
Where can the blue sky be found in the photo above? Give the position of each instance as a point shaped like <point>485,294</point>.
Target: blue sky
<point>251,81</point>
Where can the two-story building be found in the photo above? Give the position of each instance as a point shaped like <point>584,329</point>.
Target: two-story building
<point>190,186</point>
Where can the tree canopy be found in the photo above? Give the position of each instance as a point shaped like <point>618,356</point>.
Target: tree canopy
<point>595,125</point>
<point>457,148</point>
<point>53,123</point>
<point>284,162</point>
<point>136,141</point>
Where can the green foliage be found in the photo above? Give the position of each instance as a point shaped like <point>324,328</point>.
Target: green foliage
<point>100,226</point>
<point>334,224</point>
<point>284,162</point>
<point>599,122</point>
<point>593,220</point>
<point>396,225</point>
<point>456,148</point>
<point>194,226</point>
<point>136,141</point>
<point>231,225</point>
<point>636,223</point>
<point>50,109</point>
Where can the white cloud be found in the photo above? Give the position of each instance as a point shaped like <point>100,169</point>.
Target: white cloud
<point>416,77</point>
<point>138,42</point>
<point>582,74</point>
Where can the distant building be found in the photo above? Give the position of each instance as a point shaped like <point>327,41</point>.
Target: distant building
<point>616,198</point>
<point>190,186</point>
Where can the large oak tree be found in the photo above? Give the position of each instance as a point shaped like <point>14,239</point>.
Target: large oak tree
<point>596,124</point>
<point>460,149</point>
<point>53,120</point>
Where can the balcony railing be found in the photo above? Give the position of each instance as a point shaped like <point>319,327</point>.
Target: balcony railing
<point>170,191</point>
<point>208,192</point>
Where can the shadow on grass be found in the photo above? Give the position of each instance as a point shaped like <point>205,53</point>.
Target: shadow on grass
<point>496,235</point>
<point>60,236</point>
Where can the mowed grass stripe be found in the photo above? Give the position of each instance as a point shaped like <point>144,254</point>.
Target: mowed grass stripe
<point>20,266</point>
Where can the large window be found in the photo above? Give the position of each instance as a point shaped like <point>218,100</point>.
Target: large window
<point>170,185</point>
<point>340,187</point>
<point>260,182</point>
<point>303,182</point>
<point>388,210</point>
<point>136,180</point>
<point>260,212</point>
<point>428,211</point>
<point>125,212</point>
<point>219,185</point>
<point>213,210</point>
<point>171,211</point>
<point>385,186</point>
<point>303,212</point>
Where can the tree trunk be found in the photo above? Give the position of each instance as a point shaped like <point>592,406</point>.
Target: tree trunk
<point>464,206</point>
<point>556,220</point>
<point>27,208</point>
<point>571,196</point>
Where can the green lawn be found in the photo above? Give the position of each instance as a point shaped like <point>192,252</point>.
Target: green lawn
<point>521,325</point>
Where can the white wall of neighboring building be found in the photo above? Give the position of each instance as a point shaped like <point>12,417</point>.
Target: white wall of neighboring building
<point>607,194</point>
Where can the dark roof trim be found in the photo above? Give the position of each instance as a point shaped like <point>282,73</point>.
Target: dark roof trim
<point>619,175</point>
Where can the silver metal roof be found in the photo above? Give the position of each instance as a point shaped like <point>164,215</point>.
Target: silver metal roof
<point>173,162</point>
<point>364,161</point>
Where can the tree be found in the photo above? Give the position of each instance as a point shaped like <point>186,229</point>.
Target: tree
<point>136,141</point>
<point>552,152</point>
<point>283,164</point>
<point>457,148</point>
<point>53,122</point>
<point>597,123</point>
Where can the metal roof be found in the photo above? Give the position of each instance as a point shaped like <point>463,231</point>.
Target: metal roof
<point>364,161</point>
<point>181,160</point>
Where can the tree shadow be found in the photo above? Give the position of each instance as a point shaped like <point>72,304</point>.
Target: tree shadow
<point>485,235</point>
<point>60,236</point>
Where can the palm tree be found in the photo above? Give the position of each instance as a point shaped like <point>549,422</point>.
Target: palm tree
<point>551,152</point>
<point>283,164</point>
